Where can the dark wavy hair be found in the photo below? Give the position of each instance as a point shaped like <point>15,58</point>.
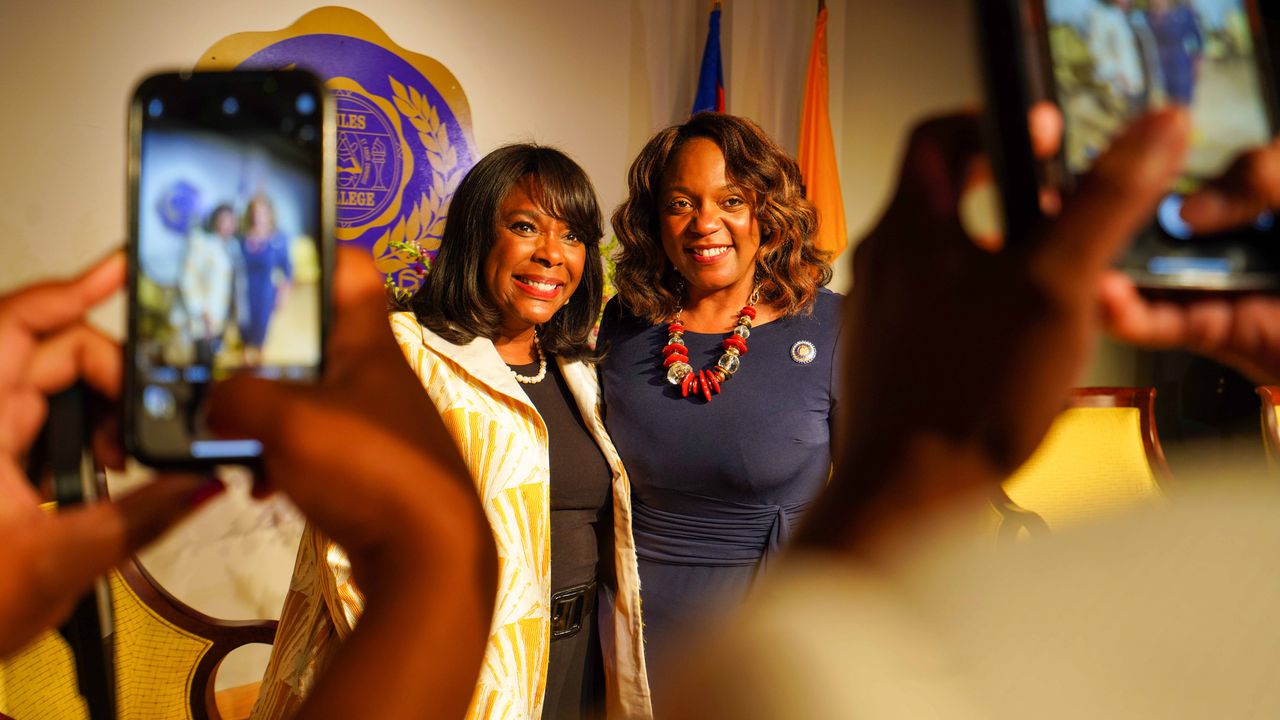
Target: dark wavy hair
<point>789,268</point>
<point>454,302</point>
<point>211,222</point>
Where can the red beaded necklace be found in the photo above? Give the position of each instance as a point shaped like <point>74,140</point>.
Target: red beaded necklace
<point>675,356</point>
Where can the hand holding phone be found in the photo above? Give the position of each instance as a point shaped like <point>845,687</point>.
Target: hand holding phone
<point>1241,329</point>
<point>1104,63</point>
<point>49,560</point>
<point>230,246</point>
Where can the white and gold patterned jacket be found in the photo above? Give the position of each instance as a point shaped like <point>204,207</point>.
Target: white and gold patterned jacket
<point>504,443</point>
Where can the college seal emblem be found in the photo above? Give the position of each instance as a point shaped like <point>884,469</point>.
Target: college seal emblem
<point>804,352</point>
<point>404,131</point>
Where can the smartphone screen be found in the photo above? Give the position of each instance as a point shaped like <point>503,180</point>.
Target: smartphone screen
<point>1104,62</point>
<point>229,248</point>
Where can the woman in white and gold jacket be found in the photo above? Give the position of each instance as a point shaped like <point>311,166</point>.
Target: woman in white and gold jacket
<point>498,335</point>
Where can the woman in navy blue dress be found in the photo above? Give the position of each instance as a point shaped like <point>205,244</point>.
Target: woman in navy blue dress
<point>268,274</point>
<point>725,447</point>
<point>1180,45</point>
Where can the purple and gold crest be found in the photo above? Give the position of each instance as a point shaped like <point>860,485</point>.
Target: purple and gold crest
<point>404,130</point>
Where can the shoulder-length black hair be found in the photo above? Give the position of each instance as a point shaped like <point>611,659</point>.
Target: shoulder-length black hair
<point>211,222</point>
<point>453,301</point>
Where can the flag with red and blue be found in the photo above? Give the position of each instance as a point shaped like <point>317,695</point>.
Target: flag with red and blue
<point>711,78</point>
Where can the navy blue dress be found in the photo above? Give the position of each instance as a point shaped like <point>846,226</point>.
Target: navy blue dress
<point>1179,42</point>
<point>260,268</point>
<point>717,487</point>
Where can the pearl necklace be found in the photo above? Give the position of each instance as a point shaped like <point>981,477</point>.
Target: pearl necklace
<point>542,366</point>
<point>675,355</point>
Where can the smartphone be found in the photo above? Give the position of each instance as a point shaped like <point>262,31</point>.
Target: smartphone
<point>1104,62</point>
<point>231,216</point>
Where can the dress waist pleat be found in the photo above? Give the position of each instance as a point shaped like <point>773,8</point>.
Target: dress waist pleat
<point>708,531</point>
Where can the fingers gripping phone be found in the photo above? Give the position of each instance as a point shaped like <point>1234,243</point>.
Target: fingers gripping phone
<point>1104,62</point>
<point>230,249</point>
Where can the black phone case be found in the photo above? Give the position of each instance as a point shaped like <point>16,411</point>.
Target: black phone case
<point>188,82</point>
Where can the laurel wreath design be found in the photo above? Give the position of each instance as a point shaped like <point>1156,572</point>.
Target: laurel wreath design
<point>411,242</point>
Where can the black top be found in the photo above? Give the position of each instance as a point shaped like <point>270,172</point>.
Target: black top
<point>581,511</point>
<point>581,535</point>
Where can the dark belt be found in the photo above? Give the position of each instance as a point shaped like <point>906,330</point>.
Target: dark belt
<point>569,607</point>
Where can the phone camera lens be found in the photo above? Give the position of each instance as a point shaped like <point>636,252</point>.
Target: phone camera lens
<point>307,133</point>
<point>305,104</point>
<point>230,106</point>
<point>155,108</point>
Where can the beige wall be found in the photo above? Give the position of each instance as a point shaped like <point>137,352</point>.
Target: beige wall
<point>904,60</point>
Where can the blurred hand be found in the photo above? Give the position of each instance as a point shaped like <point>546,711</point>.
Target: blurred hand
<point>49,560</point>
<point>365,455</point>
<point>1243,331</point>
<point>964,356</point>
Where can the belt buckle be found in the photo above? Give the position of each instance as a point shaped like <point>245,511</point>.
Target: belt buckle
<point>568,607</point>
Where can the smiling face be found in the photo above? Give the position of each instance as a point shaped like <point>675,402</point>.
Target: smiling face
<point>706,223</point>
<point>534,265</point>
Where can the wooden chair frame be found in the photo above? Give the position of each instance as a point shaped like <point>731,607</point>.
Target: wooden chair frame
<point>226,635</point>
<point>1142,398</point>
<point>1270,395</point>
<point>1016,519</point>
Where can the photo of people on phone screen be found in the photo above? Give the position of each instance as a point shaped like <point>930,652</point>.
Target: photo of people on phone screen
<point>1114,59</point>
<point>228,268</point>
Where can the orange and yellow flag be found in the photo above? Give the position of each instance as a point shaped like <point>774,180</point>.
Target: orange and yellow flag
<point>817,155</point>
